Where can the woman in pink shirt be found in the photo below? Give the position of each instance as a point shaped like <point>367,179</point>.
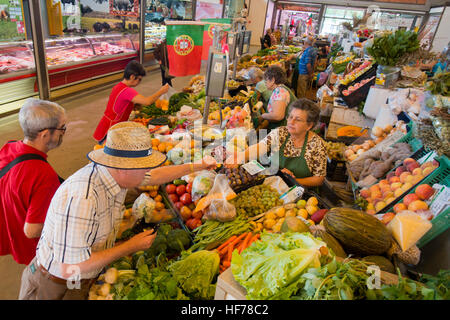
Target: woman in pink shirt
<point>123,98</point>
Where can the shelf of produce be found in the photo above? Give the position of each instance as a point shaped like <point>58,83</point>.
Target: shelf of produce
<point>359,95</point>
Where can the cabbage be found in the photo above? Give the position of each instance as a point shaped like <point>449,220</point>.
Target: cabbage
<point>272,264</point>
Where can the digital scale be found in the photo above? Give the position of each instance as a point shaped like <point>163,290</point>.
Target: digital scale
<point>217,68</point>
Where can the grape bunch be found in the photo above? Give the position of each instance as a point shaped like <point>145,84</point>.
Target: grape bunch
<point>256,200</point>
<point>239,177</point>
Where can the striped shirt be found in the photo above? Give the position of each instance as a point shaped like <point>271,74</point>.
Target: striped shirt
<point>84,216</point>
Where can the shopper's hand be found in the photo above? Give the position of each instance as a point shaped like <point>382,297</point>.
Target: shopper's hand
<point>142,241</point>
<point>164,88</point>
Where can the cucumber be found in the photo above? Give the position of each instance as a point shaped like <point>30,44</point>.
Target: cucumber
<point>179,182</point>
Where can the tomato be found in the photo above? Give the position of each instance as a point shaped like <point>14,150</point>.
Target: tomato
<point>190,223</point>
<point>185,213</point>
<point>189,187</point>
<point>178,205</point>
<point>186,199</point>
<point>173,197</point>
<point>197,215</point>
<point>181,190</point>
<point>196,223</point>
<point>171,188</point>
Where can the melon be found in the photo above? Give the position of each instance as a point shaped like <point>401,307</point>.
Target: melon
<point>357,231</point>
<point>294,224</point>
<point>382,262</point>
<point>331,242</point>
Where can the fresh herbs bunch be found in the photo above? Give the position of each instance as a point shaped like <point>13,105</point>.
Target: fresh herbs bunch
<point>389,49</point>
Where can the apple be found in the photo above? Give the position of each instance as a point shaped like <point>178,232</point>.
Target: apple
<point>403,176</point>
<point>424,191</point>
<point>398,192</point>
<point>417,179</point>
<point>409,198</point>
<point>389,200</point>
<point>410,178</point>
<point>383,182</point>
<point>380,205</point>
<point>374,188</point>
<point>413,165</point>
<point>435,163</point>
<point>426,165</point>
<point>399,171</point>
<point>396,185</point>
<point>385,189</point>
<point>408,161</point>
<point>394,179</point>
<point>387,217</point>
<point>417,171</point>
<point>390,175</point>
<point>418,205</point>
<point>426,171</point>
<point>399,207</point>
<point>370,206</point>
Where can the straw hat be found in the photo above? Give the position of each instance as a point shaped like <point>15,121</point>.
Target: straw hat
<point>128,146</point>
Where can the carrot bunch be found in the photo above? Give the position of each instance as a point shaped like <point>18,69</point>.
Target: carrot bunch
<point>239,243</point>
<point>143,121</point>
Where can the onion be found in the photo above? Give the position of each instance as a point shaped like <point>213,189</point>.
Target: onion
<point>377,131</point>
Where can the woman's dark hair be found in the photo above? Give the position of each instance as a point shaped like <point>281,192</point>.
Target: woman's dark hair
<point>277,73</point>
<point>133,68</point>
<point>311,108</point>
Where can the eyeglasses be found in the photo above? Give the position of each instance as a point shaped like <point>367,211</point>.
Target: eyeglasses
<point>63,129</point>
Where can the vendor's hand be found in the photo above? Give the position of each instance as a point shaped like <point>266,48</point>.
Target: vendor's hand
<point>164,88</point>
<point>141,241</point>
<point>287,171</point>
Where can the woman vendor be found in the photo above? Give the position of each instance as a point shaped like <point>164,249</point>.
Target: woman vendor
<point>298,151</point>
<point>256,78</point>
<point>282,96</point>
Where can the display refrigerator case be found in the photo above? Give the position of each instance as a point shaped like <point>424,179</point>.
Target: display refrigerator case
<point>17,72</point>
<point>75,59</point>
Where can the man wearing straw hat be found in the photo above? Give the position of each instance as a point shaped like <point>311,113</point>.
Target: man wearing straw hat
<point>78,237</point>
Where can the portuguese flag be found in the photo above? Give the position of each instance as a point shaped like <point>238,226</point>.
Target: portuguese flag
<point>184,47</point>
<point>208,34</point>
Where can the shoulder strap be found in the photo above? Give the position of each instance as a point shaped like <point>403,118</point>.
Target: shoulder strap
<point>19,159</point>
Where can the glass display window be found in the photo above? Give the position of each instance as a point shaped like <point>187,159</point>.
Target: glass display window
<point>15,56</point>
<point>65,50</point>
<point>335,16</point>
<point>211,9</point>
<point>104,45</point>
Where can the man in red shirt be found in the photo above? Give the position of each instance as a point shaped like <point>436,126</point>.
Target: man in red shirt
<point>123,98</point>
<point>27,181</point>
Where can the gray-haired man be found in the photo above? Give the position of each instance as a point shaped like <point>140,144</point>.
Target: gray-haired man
<point>27,181</point>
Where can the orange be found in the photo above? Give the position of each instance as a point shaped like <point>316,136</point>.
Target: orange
<point>155,142</point>
<point>159,206</point>
<point>169,146</point>
<point>162,147</point>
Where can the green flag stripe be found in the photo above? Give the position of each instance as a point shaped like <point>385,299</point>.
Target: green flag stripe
<point>193,31</point>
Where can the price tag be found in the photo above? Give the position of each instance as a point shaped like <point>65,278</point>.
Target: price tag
<point>441,200</point>
<point>292,194</point>
<point>253,167</point>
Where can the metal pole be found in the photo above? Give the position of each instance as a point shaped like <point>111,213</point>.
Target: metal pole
<point>206,109</point>
<point>143,8</point>
<point>39,50</point>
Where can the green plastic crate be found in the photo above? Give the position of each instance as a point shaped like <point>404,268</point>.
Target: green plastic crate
<point>440,223</point>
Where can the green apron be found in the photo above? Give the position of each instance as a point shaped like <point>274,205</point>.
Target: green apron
<point>283,122</point>
<point>297,165</point>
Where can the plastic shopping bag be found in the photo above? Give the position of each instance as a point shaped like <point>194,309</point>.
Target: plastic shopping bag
<point>219,208</point>
<point>145,207</point>
<point>202,184</point>
<point>168,94</point>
